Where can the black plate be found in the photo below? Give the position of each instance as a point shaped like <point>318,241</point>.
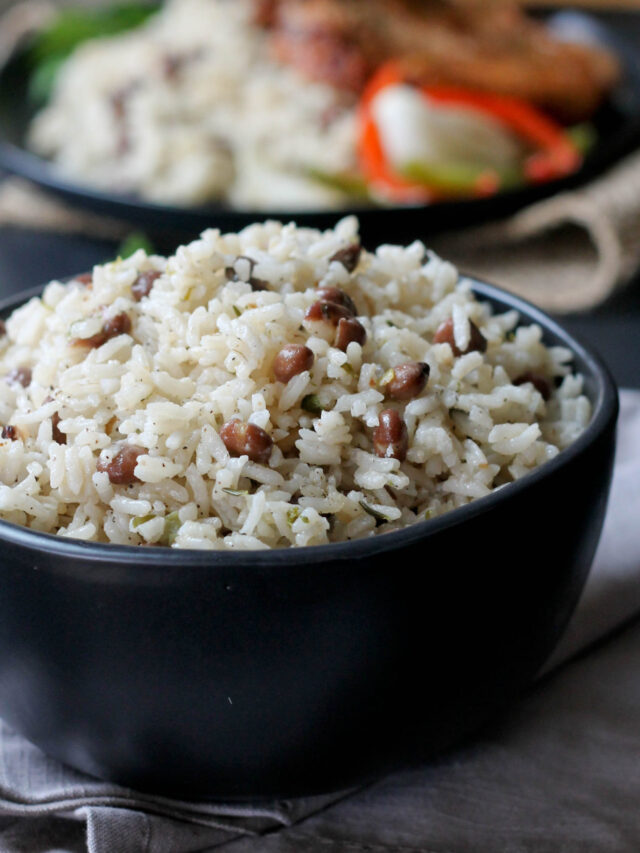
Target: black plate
<point>618,126</point>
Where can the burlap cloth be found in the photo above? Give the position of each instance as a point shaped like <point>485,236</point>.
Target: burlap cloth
<point>567,253</point>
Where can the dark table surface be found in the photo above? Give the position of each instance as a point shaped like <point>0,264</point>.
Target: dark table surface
<point>28,258</point>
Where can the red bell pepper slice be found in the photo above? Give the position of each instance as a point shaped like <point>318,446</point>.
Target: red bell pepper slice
<point>555,154</point>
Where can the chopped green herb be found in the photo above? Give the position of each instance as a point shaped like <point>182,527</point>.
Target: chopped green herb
<point>236,492</point>
<point>142,519</point>
<point>237,311</point>
<point>71,27</point>
<point>43,79</point>
<point>428,514</point>
<point>172,524</point>
<point>348,368</point>
<point>136,240</point>
<point>373,512</point>
<point>293,515</point>
<point>387,377</point>
<point>311,403</point>
<point>584,136</point>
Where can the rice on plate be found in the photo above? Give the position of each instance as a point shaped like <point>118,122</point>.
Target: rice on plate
<point>190,108</point>
<point>277,387</point>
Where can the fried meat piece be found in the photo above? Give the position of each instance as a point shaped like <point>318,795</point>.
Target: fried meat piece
<point>488,46</point>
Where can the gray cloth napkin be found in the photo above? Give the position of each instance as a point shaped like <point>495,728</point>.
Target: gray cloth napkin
<point>558,773</point>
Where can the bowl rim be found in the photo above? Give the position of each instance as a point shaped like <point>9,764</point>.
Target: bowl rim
<point>605,411</point>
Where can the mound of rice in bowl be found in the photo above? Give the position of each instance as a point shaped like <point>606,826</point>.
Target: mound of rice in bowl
<point>276,387</point>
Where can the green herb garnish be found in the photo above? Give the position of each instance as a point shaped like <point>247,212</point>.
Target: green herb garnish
<point>172,524</point>
<point>387,377</point>
<point>141,519</point>
<point>584,136</point>
<point>373,512</point>
<point>71,27</point>
<point>43,78</point>
<point>237,311</point>
<point>311,403</point>
<point>237,493</point>
<point>293,515</point>
<point>130,245</point>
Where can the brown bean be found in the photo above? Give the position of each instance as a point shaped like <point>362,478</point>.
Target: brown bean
<point>350,330</point>
<point>59,437</point>
<point>112,327</point>
<point>390,437</point>
<point>409,380</point>
<point>348,257</point>
<point>444,335</point>
<point>121,467</point>
<point>327,312</point>
<point>255,283</point>
<point>85,278</point>
<point>118,325</point>
<point>21,375</point>
<point>477,342</point>
<point>141,287</point>
<point>338,297</point>
<point>243,439</point>
<point>292,360</point>
<point>10,432</point>
<point>539,382</point>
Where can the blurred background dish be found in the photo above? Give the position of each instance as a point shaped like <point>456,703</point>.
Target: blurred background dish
<point>212,111</point>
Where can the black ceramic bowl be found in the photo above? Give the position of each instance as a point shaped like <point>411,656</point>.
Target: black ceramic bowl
<point>296,671</point>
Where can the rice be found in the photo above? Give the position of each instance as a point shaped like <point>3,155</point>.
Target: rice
<point>191,108</point>
<point>199,352</point>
